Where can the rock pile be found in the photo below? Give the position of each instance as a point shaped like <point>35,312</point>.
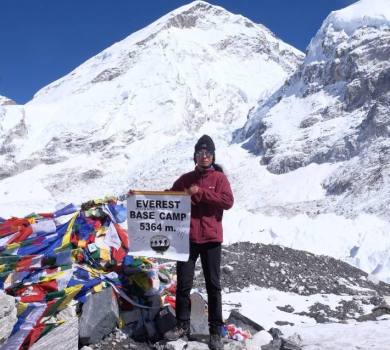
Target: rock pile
<point>67,286</point>
<point>269,266</point>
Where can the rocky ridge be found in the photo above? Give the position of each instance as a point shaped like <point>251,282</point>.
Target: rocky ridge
<point>282,269</point>
<point>334,109</point>
<point>270,266</point>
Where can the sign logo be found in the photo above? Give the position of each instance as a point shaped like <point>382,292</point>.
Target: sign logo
<point>160,243</point>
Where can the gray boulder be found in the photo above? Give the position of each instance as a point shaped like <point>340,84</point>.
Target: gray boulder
<point>99,317</point>
<point>131,316</point>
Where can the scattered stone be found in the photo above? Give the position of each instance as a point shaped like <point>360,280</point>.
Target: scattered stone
<point>286,308</point>
<point>227,269</point>
<point>290,344</point>
<point>295,339</point>
<point>245,323</point>
<point>305,273</point>
<point>377,312</point>
<point>284,323</point>
<point>99,317</point>
<point>276,333</point>
<point>282,344</point>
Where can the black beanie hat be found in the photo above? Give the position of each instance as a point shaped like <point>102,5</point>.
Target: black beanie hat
<point>207,143</point>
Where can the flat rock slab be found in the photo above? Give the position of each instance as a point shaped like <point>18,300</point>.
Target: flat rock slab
<point>7,316</point>
<point>245,323</point>
<point>64,337</point>
<point>199,316</point>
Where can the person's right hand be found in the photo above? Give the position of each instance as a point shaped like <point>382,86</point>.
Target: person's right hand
<point>192,190</point>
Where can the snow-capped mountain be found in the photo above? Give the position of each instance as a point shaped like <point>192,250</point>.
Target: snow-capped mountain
<point>325,132</point>
<point>335,109</point>
<point>129,118</point>
<point>309,168</point>
<point>6,101</point>
<point>99,128</point>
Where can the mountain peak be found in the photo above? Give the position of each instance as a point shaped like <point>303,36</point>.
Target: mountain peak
<point>195,6</point>
<point>362,13</point>
<point>192,14</point>
<point>197,31</point>
<point>347,24</point>
<point>6,101</point>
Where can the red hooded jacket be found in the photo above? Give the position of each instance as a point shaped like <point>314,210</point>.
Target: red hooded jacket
<point>214,196</point>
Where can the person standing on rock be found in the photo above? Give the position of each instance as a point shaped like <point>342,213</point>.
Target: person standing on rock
<point>210,195</point>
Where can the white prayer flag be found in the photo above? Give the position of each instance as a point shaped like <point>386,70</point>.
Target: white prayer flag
<point>46,226</point>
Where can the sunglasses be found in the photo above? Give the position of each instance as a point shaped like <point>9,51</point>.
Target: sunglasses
<point>204,153</point>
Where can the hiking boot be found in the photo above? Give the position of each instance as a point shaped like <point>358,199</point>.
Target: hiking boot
<point>215,342</point>
<point>177,332</point>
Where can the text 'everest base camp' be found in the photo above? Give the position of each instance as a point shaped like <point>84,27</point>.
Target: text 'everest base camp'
<point>304,141</point>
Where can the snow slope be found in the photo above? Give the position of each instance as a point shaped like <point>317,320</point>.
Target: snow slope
<point>332,336</point>
<point>130,116</point>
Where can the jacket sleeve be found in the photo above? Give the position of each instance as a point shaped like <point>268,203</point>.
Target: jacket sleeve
<point>178,185</point>
<point>223,198</point>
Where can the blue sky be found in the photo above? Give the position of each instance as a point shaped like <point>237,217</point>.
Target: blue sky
<point>42,40</point>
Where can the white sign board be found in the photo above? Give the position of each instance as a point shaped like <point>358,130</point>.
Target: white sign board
<point>159,224</point>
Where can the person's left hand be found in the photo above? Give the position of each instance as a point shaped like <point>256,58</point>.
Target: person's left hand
<point>192,190</point>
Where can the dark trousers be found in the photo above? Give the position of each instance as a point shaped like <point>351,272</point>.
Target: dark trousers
<point>210,257</point>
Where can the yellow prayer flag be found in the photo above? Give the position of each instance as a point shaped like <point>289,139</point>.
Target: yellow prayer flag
<point>66,238</point>
<point>70,293</point>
